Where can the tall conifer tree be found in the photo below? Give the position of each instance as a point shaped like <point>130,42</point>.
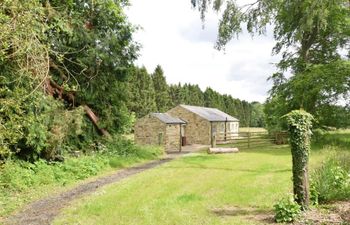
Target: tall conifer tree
<point>142,94</point>
<point>161,88</point>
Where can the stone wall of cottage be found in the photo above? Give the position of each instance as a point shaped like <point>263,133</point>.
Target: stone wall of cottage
<point>150,131</point>
<point>172,137</point>
<point>197,130</point>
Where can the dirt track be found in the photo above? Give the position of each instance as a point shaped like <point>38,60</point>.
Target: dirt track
<point>43,211</point>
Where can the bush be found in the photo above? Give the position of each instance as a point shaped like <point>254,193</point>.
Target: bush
<point>36,126</point>
<point>119,146</point>
<point>331,181</point>
<point>286,210</point>
<point>19,176</point>
<point>339,138</point>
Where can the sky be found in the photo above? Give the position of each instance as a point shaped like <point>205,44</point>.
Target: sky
<point>172,36</point>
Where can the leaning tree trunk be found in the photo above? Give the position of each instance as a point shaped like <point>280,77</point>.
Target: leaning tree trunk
<point>299,127</point>
<point>53,89</point>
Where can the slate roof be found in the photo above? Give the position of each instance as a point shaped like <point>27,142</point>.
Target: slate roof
<point>166,118</point>
<point>210,114</point>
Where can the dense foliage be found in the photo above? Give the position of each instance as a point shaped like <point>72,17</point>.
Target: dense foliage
<point>331,181</point>
<point>322,90</point>
<point>312,38</point>
<point>57,60</point>
<point>299,128</point>
<point>150,93</point>
<point>161,88</point>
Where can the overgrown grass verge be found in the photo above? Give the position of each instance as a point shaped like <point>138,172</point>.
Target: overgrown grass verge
<point>22,182</point>
<point>331,181</point>
<point>339,139</point>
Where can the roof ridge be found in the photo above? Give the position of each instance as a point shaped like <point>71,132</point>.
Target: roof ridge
<point>167,118</point>
<point>199,106</point>
<point>210,114</point>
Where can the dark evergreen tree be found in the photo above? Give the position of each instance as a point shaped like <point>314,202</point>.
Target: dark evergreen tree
<point>231,107</point>
<point>161,88</point>
<point>175,92</point>
<point>257,117</point>
<point>142,96</point>
<point>196,95</point>
<point>249,114</point>
<point>213,99</point>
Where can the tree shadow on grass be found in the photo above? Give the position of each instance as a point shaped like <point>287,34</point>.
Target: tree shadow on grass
<point>249,213</point>
<point>228,169</point>
<point>276,150</point>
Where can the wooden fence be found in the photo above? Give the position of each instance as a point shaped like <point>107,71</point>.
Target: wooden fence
<point>245,140</point>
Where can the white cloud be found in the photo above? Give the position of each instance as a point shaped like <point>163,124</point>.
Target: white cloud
<point>172,36</point>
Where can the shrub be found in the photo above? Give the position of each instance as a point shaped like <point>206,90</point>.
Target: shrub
<point>339,138</point>
<point>36,126</point>
<point>331,181</point>
<point>286,210</point>
<point>118,146</point>
<point>18,175</point>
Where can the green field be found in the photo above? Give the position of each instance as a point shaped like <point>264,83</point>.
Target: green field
<point>196,189</point>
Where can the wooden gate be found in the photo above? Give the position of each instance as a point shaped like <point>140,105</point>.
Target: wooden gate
<point>243,140</point>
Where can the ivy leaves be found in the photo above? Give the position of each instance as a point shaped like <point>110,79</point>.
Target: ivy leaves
<point>299,127</point>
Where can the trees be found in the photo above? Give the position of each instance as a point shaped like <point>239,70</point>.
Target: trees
<point>249,114</point>
<point>141,91</point>
<point>306,25</point>
<point>318,90</point>
<point>56,56</point>
<point>257,115</point>
<point>309,36</point>
<point>186,94</point>
<point>161,88</point>
<point>196,95</point>
<point>213,99</point>
<point>92,51</point>
<point>175,92</point>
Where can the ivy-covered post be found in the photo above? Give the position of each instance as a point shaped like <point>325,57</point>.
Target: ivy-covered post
<point>299,128</point>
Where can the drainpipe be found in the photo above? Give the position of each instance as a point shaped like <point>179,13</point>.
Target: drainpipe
<point>180,147</point>
<point>225,129</point>
<point>211,134</point>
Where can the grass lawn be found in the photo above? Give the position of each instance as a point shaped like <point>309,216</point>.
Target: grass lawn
<point>191,189</point>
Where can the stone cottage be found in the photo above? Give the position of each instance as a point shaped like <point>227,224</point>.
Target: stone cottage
<point>159,129</point>
<point>203,123</point>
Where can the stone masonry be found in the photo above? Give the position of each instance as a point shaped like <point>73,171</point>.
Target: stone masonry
<point>197,129</point>
<point>151,131</point>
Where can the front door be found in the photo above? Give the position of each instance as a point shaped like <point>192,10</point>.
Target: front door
<point>183,135</point>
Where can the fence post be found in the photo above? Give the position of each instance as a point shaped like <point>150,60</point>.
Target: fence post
<point>213,140</point>
<point>248,139</point>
